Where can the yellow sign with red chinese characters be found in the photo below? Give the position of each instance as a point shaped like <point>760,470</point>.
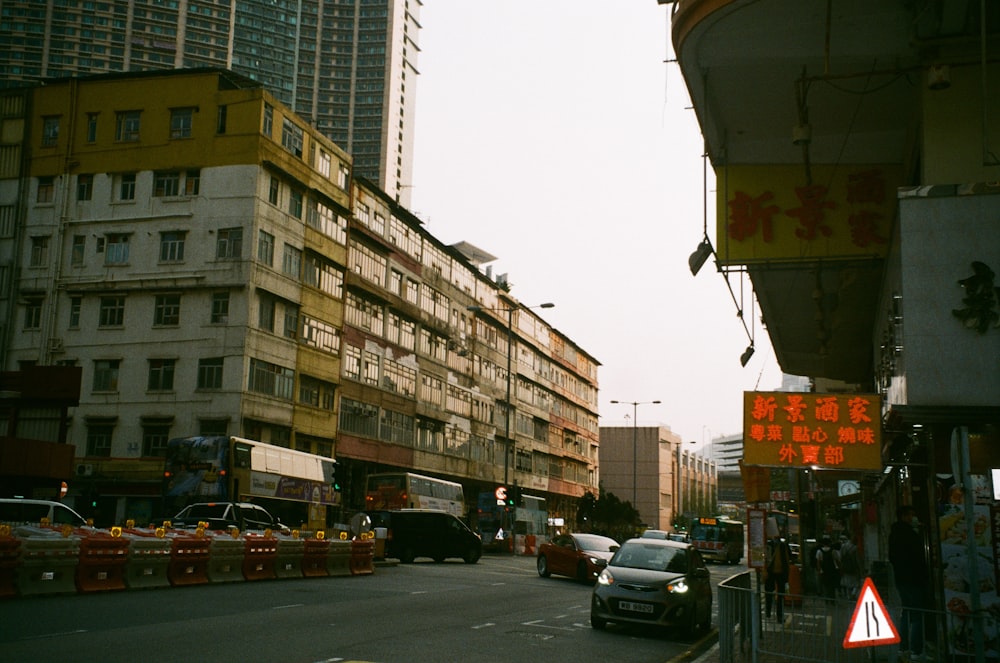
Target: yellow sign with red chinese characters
<point>772,212</point>
<point>809,430</point>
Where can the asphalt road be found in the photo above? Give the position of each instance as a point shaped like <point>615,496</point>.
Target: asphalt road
<point>498,609</point>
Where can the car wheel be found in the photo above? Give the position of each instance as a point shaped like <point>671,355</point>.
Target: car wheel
<point>693,626</point>
<point>471,555</point>
<point>406,557</point>
<point>581,572</point>
<point>598,623</point>
<point>543,566</point>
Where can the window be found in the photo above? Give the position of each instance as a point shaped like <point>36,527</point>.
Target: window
<point>172,246</point>
<point>220,120</point>
<point>317,393</point>
<point>291,329</point>
<point>343,177</point>
<point>33,313</point>
<point>220,308</point>
<point>116,249</point>
<point>161,374</point>
<point>181,120</point>
<point>39,252</point>
<point>291,137</point>
<point>323,274</point>
<point>271,379</point>
<point>230,243</point>
<point>291,263</point>
<point>322,217</point>
<point>268,120</point>
<point>46,189</point>
<point>112,312</point>
<point>321,335</point>
<point>273,189</point>
<point>99,437</point>
<point>126,187</point>
<point>155,433</point>
<point>91,127</point>
<point>192,182</point>
<point>74,311</point>
<point>295,203</point>
<point>127,126</point>
<point>106,374</point>
<point>84,187</point>
<point>166,183</point>
<point>167,311</point>
<point>50,131</point>
<point>265,248</point>
<point>210,373</point>
<point>323,164</point>
<point>266,304</point>
<point>77,251</point>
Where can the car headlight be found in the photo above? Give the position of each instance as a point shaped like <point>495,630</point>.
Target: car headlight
<point>605,578</point>
<point>678,586</point>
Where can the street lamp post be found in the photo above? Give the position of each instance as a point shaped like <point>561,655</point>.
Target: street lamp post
<point>635,474</point>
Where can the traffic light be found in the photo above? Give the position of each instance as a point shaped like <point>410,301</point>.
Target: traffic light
<point>333,479</point>
<point>510,496</point>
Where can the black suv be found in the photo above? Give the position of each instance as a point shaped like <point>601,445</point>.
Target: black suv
<point>427,533</point>
<point>224,515</point>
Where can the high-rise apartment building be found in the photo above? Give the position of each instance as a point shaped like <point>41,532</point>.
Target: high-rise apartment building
<point>206,260</point>
<point>348,67</point>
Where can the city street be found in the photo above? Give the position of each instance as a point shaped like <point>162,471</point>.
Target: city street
<point>496,609</point>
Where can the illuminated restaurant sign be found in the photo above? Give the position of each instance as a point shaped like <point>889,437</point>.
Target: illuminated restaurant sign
<point>809,430</point>
<point>771,213</point>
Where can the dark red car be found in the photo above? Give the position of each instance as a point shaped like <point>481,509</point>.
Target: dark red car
<point>580,556</point>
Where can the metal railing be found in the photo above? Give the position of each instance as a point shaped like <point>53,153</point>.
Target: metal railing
<point>814,629</point>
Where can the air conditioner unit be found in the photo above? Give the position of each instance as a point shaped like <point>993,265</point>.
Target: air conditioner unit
<point>84,470</point>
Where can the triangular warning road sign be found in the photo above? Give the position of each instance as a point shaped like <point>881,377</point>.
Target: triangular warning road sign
<point>870,624</point>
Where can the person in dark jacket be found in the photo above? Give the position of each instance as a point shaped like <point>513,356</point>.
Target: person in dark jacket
<point>777,560</point>
<point>909,567</point>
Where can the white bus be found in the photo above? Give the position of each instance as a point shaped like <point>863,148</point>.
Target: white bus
<point>406,490</point>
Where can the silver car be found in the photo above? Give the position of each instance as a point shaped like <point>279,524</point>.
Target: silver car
<point>657,582</point>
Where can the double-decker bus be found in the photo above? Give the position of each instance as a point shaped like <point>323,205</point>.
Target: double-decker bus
<point>719,539</point>
<point>406,490</point>
<point>531,524</point>
<point>296,486</point>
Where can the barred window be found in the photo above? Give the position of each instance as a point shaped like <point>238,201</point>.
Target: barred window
<point>106,374</point>
<point>431,390</point>
<point>322,217</point>
<point>230,243</point>
<point>358,418</point>
<point>161,374</point>
<point>210,373</point>
<point>366,262</point>
<point>167,310</point>
<point>271,379</point>
<point>220,308</point>
<point>396,427</point>
<point>112,311</point>
<point>320,335</point>
<point>323,274</point>
<point>352,362</point>
<point>399,378</point>
<point>172,246</point>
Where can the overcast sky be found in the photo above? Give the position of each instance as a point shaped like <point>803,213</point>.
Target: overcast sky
<point>552,134</point>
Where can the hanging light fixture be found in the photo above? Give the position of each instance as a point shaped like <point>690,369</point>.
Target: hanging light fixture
<point>700,255</point>
<point>745,357</point>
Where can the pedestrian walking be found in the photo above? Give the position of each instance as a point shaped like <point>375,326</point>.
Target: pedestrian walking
<point>907,554</point>
<point>851,568</point>
<point>777,560</point>
<point>828,569</point>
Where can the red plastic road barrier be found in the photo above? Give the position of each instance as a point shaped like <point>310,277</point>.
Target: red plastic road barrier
<point>362,557</point>
<point>261,554</point>
<point>102,563</point>
<point>9,556</point>
<point>189,561</point>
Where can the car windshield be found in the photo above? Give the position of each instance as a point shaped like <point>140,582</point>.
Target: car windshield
<point>595,543</point>
<point>204,511</point>
<point>636,555</point>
